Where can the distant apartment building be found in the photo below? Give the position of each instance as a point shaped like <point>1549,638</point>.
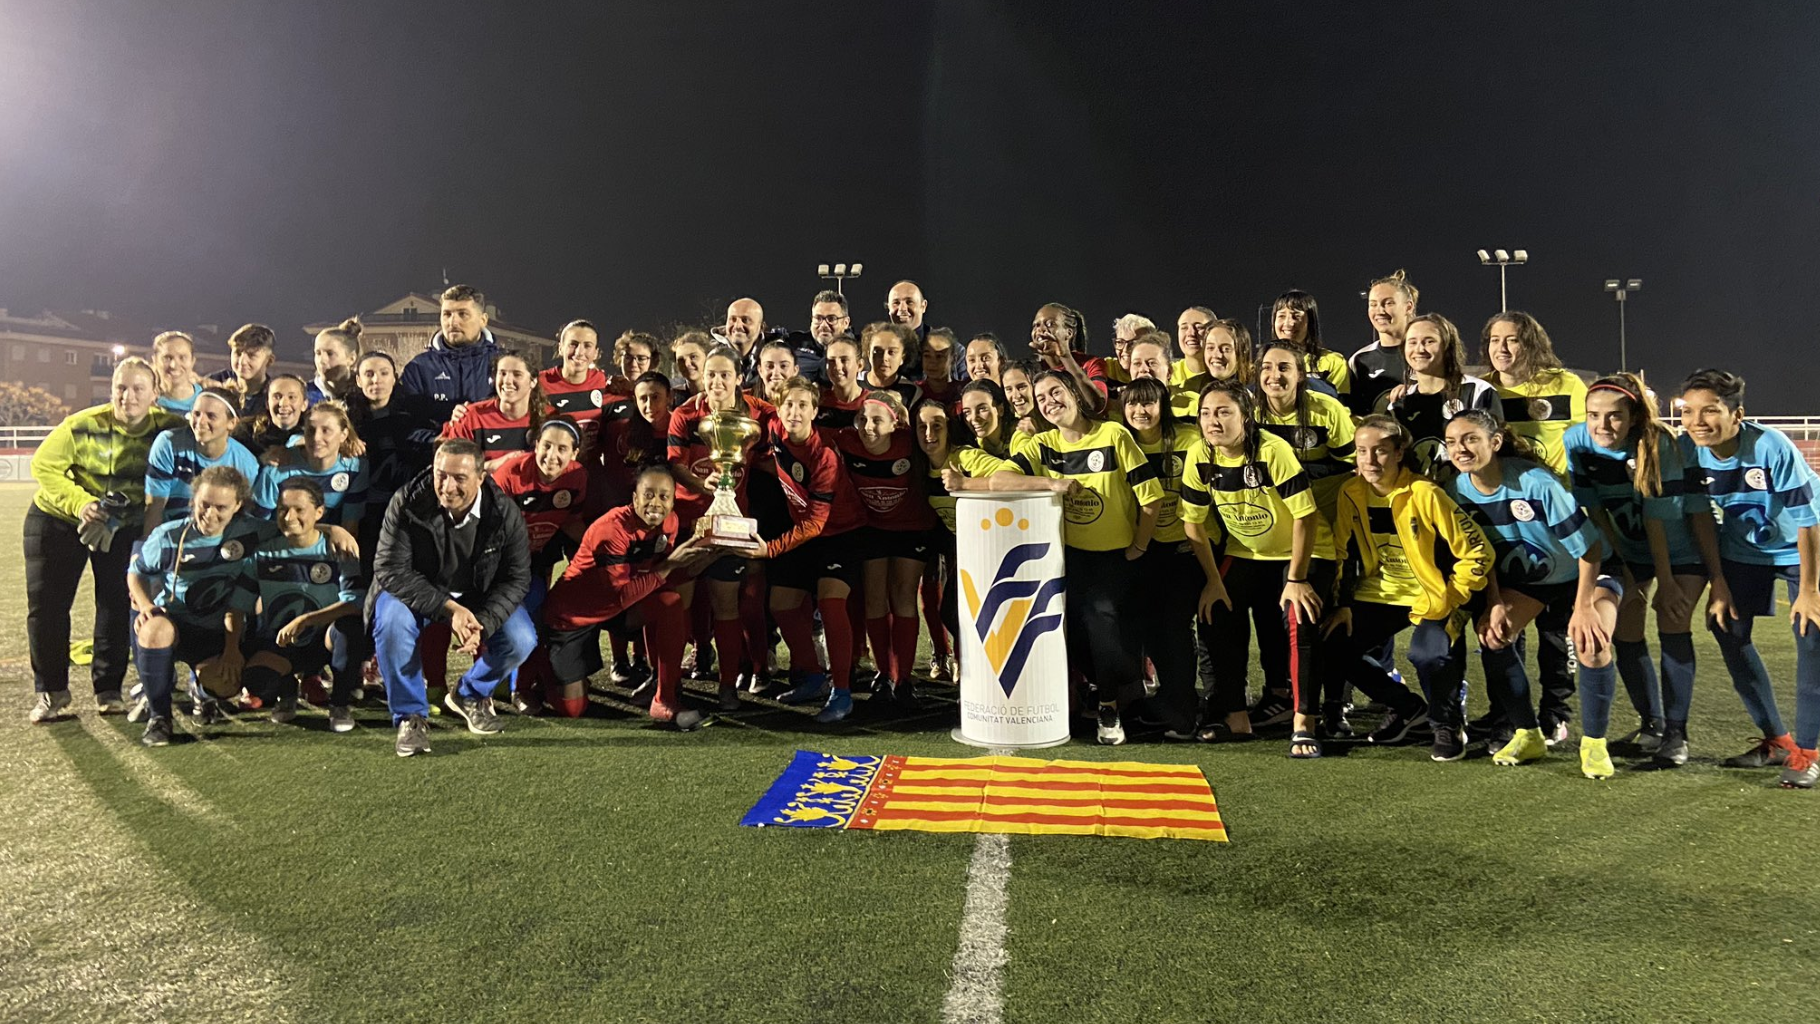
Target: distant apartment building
<point>405,326</point>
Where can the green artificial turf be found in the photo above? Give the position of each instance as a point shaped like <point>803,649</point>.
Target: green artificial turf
<point>594,870</point>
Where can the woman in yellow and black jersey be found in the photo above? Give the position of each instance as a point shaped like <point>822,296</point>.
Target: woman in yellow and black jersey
<point>1319,427</point>
<point>1262,496</point>
<point>955,463</point>
<point>1395,528</point>
<point>1170,569</point>
<point>1296,318</point>
<point>1541,400</point>
<point>1110,498</point>
<point>986,411</point>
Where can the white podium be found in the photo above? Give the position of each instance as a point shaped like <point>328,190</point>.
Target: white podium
<point>1014,652</point>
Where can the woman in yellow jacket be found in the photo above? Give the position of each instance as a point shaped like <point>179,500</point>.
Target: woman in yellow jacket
<point>1390,526</point>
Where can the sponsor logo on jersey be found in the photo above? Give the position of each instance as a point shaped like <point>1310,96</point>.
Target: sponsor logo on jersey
<point>1247,519</point>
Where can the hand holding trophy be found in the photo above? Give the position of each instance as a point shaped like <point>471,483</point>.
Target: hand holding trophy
<point>725,526</point>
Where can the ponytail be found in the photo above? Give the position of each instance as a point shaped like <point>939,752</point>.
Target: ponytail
<point>1646,429</point>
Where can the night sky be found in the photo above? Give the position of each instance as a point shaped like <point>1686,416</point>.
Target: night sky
<point>642,164</point>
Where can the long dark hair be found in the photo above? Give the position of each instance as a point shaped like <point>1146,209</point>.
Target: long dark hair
<point>1074,388</point>
<point>1149,389</point>
<point>1646,429</point>
<point>1007,421</point>
<point>1248,411</point>
<point>1303,302</point>
<point>1301,379</point>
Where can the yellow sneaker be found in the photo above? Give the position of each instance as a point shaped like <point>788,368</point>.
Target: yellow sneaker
<point>1595,760</point>
<point>1526,745</point>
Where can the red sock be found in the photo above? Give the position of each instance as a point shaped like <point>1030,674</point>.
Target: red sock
<point>730,645</point>
<point>433,648</point>
<point>856,626</point>
<point>903,646</point>
<point>878,631</point>
<point>666,627</point>
<point>758,628</point>
<point>1785,741</point>
<point>838,630</point>
<point>798,627</point>
<point>932,616</point>
<point>570,707</point>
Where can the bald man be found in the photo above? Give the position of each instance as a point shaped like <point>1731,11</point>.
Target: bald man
<point>904,304</point>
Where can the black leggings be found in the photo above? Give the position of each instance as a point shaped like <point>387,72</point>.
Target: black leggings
<point>1171,588</point>
<point>1256,587</point>
<point>1439,660</point>
<point>54,557</point>
<point>1103,640</point>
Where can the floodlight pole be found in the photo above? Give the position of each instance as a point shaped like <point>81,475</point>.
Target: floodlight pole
<point>1503,259</point>
<point>840,273</point>
<point>1620,289</point>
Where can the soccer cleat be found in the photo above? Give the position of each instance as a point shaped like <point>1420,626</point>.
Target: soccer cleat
<point>477,711</point>
<point>1801,770</point>
<point>210,711</point>
<point>1110,731</point>
<point>1396,725</point>
<point>284,711</point>
<point>1525,745</point>
<point>413,736</point>
<point>904,695</point>
<point>1595,759</point>
<point>1673,749</point>
<point>1767,753</point>
<point>1449,744</point>
<point>1334,725</point>
<point>884,691</point>
<point>49,706</point>
<point>109,702</point>
<point>341,718</point>
<point>622,675</point>
<point>729,698</point>
<point>839,706</point>
<point>1271,709</point>
<point>703,665</point>
<point>939,671</point>
<point>644,694</point>
<point>140,711</point>
<point>529,703</point>
<point>157,732</point>
<point>813,689</point>
<point>1554,731</point>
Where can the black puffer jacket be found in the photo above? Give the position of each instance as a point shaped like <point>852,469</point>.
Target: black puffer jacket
<point>415,553</point>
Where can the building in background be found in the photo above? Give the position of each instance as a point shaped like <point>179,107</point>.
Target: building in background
<point>72,354</point>
<point>404,327</point>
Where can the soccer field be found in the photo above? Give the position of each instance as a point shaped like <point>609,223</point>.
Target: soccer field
<point>594,870</point>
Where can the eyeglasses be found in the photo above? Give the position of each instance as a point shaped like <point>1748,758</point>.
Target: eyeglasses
<point>828,321</point>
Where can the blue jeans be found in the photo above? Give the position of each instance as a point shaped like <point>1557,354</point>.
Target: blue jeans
<point>395,632</point>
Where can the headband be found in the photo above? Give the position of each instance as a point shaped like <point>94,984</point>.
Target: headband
<point>218,396</point>
<point>1626,392</point>
<point>888,407</point>
<point>574,431</point>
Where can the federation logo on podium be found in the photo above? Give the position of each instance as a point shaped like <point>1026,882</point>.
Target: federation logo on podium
<point>1013,610</point>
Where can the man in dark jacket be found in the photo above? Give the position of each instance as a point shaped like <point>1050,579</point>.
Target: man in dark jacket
<point>453,549</point>
<point>457,367</point>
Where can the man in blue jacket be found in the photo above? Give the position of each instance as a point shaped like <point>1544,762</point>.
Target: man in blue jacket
<point>456,368</point>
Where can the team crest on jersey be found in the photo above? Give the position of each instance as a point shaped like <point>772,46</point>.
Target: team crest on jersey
<point>595,397</point>
<point>338,482</point>
<point>900,467</point>
<point>1252,477</point>
<point>796,472</point>
<point>1755,479</point>
<point>232,551</point>
<point>1541,408</point>
<point>662,544</point>
<point>1631,463</point>
<point>1522,511</point>
<point>561,499</point>
<point>1306,438</point>
<point>1096,461</point>
<point>321,572</point>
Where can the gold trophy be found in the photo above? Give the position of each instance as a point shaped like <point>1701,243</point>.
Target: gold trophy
<point>724,526</point>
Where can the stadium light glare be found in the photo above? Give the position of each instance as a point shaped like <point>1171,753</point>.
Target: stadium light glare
<point>1484,257</point>
<point>839,273</point>
<point>821,270</point>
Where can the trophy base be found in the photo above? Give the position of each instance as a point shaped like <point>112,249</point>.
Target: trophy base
<point>737,535</point>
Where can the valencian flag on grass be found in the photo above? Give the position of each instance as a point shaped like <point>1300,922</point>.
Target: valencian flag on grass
<point>992,794</point>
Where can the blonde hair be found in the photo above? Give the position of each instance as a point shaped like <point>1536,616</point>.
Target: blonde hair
<point>138,364</point>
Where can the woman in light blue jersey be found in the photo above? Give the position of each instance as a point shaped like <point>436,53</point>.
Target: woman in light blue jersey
<point>1628,474</point>
<point>1769,531</point>
<point>1549,556</point>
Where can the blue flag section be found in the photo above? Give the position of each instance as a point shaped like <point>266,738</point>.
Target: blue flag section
<point>815,791</point>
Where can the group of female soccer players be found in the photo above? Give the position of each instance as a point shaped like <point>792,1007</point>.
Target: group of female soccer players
<point>1220,497</point>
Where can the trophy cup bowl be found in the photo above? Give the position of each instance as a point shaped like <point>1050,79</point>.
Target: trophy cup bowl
<point>724,525</point>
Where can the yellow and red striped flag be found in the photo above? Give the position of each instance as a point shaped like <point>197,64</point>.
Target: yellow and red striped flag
<point>993,794</point>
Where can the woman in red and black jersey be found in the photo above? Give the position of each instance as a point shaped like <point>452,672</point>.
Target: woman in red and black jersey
<point>576,387</point>
<point>884,463</point>
<point>689,460</point>
<point>506,423</point>
<point>841,397</point>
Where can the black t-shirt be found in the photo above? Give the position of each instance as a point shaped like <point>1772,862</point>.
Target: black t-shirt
<point>1426,417</point>
<point>1375,370</point>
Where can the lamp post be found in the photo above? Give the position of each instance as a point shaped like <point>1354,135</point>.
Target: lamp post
<point>840,274</point>
<point>1620,290</point>
<point>1503,259</point>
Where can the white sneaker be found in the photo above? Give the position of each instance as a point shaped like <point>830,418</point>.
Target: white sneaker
<point>140,711</point>
<point>341,718</point>
<point>1111,730</point>
<point>109,702</point>
<point>50,706</point>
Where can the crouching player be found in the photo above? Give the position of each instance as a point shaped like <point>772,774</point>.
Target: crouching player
<point>620,578</point>
<point>306,591</point>
<point>193,591</point>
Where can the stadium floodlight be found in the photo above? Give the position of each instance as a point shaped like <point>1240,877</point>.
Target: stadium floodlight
<point>839,273</point>
<point>1503,259</point>
<point>1620,290</point>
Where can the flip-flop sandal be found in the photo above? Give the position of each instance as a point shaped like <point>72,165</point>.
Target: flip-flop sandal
<point>1305,739</point>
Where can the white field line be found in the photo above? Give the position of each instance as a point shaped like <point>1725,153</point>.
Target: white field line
<point>977,993</point>
<point>94,929</point>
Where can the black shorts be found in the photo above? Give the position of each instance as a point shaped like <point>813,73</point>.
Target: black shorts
<point>304,659</point>
<point>1753,586</point>
<point>1561,595</point>
<point>728,569</point>
<point>196,644</point>
<point>921,545</point>
<point>1644,572</point>
<point>575,653</point>
<point>822,558</point>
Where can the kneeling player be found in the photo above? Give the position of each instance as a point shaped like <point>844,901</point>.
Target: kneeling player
<point>305,590</point>
<point>192,587</point>
<point>621,578</point>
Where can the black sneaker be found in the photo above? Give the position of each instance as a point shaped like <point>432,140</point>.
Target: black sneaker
<point>1765,754</point>
<point>1334,725</point>
<point>413,736</point>
<point>1449,745</point>
<point>1396,725</point>
<point>211,712</point>
<point>481,719</point>
<point>1554,730</point>
<point>1673,748</point>
<point>884,692</point>
<point>905,695</point>
<point>1488,724</point>
<point>1110,732</point>
<point>1272,709</point>
<point>157,732</point>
